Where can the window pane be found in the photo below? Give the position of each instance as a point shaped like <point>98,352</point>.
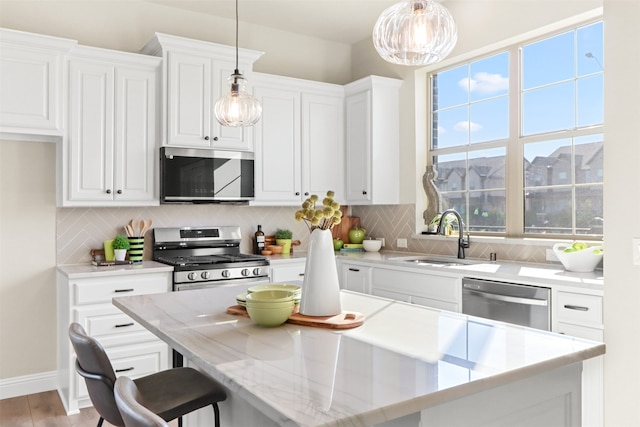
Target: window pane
<point>548,211</point>
<point>489,120</point>
<point>548,61</point>
<point>489,77</point>
<point>450,88</point>
<point>455,200</point>
<point>590,53</point>
<point>487,211</point>
<point>486,169</point>
<point>451,127</point>
<point>589,210</point>
<point>548,109</point>
<point>452,171</point>
<point>590,101</point>
<point>547,163</point>
<point>589,159</point>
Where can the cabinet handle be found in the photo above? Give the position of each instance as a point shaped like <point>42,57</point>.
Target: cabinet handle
<point>125,369</point>
<point>119,191</point>
<point>108,191</point>
<point>215,138</point>
<point>206,138</point>
<point>364,192</point>
<point>297,193</point>
<point>124,290</point>
<point>306,193</point>
<point>124,325</point>
<point>576,307</point>
<point>301,274</point>
<point>354,269</point>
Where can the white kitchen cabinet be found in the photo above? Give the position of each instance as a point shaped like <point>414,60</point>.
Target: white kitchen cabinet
<point>288,271</point>
<point>108,156</point>
<point>372,110</point>
<point>195,75</point>
<point>423,288</point>
<point>86,299</point>
<point>299,141</point>
<point>580,315</point>
<point>31,84</point>
<point>355,277</point>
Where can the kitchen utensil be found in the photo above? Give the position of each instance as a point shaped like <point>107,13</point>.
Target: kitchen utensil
<point>135,226</point>
<point>146,226</point>
<point>129,230</point>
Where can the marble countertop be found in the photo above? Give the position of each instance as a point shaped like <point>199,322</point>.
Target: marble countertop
<point>402,359</point>
<point>527,273</point>
<point>78,271</point>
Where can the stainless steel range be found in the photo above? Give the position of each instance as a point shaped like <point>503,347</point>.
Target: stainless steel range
<point>207,256</point>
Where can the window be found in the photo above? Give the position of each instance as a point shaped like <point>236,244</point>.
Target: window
<point>537,105</point>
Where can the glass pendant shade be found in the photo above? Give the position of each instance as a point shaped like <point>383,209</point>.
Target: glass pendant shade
<point>415,32</point>
<point>238,107</point>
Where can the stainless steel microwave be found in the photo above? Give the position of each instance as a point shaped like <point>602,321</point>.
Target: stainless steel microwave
<point>205,176</point>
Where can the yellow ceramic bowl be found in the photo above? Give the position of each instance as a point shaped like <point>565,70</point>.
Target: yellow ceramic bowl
<point>275,287</point>
<point>270,316</point>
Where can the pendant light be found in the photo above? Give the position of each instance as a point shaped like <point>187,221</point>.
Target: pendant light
<point>415,32</point>
<point>238,107</point>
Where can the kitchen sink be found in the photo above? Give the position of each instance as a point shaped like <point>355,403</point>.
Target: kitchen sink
<point>430,261</point>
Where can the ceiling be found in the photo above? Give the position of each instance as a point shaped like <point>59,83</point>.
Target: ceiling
<point>345,21</point>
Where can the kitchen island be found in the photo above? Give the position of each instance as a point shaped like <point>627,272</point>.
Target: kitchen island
<point>405,365</point>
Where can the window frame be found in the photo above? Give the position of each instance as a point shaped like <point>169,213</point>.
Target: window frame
<point>515,143</point>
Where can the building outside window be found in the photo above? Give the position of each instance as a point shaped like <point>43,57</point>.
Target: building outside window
<point>537,105</point>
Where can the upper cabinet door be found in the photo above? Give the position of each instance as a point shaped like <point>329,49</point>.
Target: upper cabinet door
<point>135,134</point>
<point>90,136</point>
<point>277,145</point>
<point>323,145</point>
<point>358,118</point>
<point>31,82</point>
<point>189,100</point>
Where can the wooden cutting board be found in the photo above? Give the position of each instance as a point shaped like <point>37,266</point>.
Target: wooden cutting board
<point>341,231</point>
<point>345,320</point>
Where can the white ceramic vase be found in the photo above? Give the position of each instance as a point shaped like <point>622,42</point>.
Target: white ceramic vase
<point>320,287</point>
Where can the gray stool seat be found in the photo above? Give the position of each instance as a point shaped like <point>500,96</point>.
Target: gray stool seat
<point>170,394</point>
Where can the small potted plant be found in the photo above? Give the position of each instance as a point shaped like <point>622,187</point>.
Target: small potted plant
<point>283,238</point>
<point>120,246</point>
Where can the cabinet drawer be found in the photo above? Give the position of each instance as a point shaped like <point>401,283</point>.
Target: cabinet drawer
<point>287,273</point>
<point>579,308</point>
<point>103,289</point>
<point>111,326</point>
<point>442,288</point>
<point>433,303</point>
<point>132,361</point>
<point>580,331</point>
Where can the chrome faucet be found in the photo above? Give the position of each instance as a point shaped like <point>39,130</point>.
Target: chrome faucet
<point>462,242</point>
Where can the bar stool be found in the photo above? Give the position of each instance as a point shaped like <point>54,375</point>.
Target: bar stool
<point>169,394</point>
<point>129,402</point>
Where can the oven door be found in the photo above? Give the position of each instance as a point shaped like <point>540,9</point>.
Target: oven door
<point>201,285</point>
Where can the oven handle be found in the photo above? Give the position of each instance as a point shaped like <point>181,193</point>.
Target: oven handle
<point>507,298</point>
<point>217,283</point>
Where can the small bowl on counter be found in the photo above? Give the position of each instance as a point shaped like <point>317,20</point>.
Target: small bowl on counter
<point>371,245</point>
<point>275,249</point>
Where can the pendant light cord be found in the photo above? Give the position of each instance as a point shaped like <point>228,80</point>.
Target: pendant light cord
<point>237,71</point>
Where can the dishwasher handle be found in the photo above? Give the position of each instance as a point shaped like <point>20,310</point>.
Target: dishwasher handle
<point>507,298</point>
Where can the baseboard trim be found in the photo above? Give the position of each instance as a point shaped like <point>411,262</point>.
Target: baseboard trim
<point>28,384</point>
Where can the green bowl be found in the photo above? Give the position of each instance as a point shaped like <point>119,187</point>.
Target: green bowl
<point>268,316</point>
<point>270,295</point>
<point>295,289</point>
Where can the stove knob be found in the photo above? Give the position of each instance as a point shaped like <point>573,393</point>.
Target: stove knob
<point>256,271</point>
<point>205,275</point>
<point>226,273</point>
<point>245,272</point>
<point>192,276</point>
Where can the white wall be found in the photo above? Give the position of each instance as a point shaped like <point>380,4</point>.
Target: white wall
<point>622,212</point>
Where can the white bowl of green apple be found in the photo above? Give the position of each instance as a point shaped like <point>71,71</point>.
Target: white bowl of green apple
<point>579,257</point>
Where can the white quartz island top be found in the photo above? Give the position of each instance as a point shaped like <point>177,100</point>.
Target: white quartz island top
<point>404,358</point>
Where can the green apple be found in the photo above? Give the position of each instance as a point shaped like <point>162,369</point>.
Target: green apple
<point>356,235</point>
<point>337,244</point>
<point>568,250</point>
<point>597,251</point>
<point>578,246</point>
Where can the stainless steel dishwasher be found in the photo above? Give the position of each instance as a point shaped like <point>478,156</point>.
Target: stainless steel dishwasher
<point>507,302</point>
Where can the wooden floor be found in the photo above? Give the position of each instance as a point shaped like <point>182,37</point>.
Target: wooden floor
<point>45,410</point>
